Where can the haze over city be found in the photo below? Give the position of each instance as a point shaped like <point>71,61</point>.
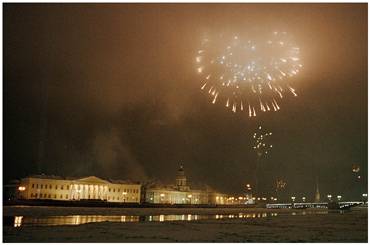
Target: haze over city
<point>112,90</point>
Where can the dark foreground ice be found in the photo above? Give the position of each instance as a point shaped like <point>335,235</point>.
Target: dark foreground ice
<point>51,224</point>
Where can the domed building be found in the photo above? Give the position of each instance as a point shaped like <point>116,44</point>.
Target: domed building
<point>181,193</point>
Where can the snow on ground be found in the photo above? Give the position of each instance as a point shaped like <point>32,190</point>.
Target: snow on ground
<point>331,227</point>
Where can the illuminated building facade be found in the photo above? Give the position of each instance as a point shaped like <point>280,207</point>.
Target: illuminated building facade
<point>89,188</point>
<point>181,193</point>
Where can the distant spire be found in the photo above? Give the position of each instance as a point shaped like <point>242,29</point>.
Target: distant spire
<point>317,194</point>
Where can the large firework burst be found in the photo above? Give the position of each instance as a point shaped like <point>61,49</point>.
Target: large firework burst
<point>248,74</point>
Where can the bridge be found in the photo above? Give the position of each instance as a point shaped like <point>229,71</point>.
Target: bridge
<point>302,205</point>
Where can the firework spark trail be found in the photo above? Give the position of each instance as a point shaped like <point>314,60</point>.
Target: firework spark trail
<point>257,71</point>
<point>262,147</point>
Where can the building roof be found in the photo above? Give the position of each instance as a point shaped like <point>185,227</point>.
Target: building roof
<point>44,176</point>
<point>91,179</point>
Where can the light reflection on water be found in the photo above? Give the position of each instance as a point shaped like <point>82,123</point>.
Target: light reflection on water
<point>19,221</point>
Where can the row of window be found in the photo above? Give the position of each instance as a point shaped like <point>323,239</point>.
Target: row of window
<point>45,186</point>
<point>123,199</point>
<point>125,190</point>
<point>37,195</point>
<point>49,196</point>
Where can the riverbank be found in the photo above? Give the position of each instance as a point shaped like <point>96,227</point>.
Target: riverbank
<point>284,226</point>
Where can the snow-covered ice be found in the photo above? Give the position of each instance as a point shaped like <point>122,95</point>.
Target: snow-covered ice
<point>285,227</point>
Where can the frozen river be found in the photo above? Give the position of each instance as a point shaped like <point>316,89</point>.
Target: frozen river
<point>58,224</point>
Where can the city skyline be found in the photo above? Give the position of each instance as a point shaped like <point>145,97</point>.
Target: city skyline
<point>112,91</point>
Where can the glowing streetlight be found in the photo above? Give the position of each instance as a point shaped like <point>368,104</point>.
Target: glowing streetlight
<point>364,196</point>
<point>304,199</point>
<point>293,199</point>
<point>339,197</point>
<point>329,197</point>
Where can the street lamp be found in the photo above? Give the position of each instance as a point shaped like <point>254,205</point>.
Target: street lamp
<point>304,199</point>
<point>364,196</point>
<point>329,197</point>
<point>339,197</point>
<point>293,198</point>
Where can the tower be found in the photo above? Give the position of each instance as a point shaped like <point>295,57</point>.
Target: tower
<point>181,180</point>
<point>317,194</point>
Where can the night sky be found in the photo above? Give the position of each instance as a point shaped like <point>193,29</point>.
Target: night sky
<point>112,90</point>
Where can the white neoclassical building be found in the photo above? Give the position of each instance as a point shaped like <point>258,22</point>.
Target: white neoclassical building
<point>89,188</point>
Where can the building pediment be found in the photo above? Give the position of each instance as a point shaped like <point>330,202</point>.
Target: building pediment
<point>93,179</point>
